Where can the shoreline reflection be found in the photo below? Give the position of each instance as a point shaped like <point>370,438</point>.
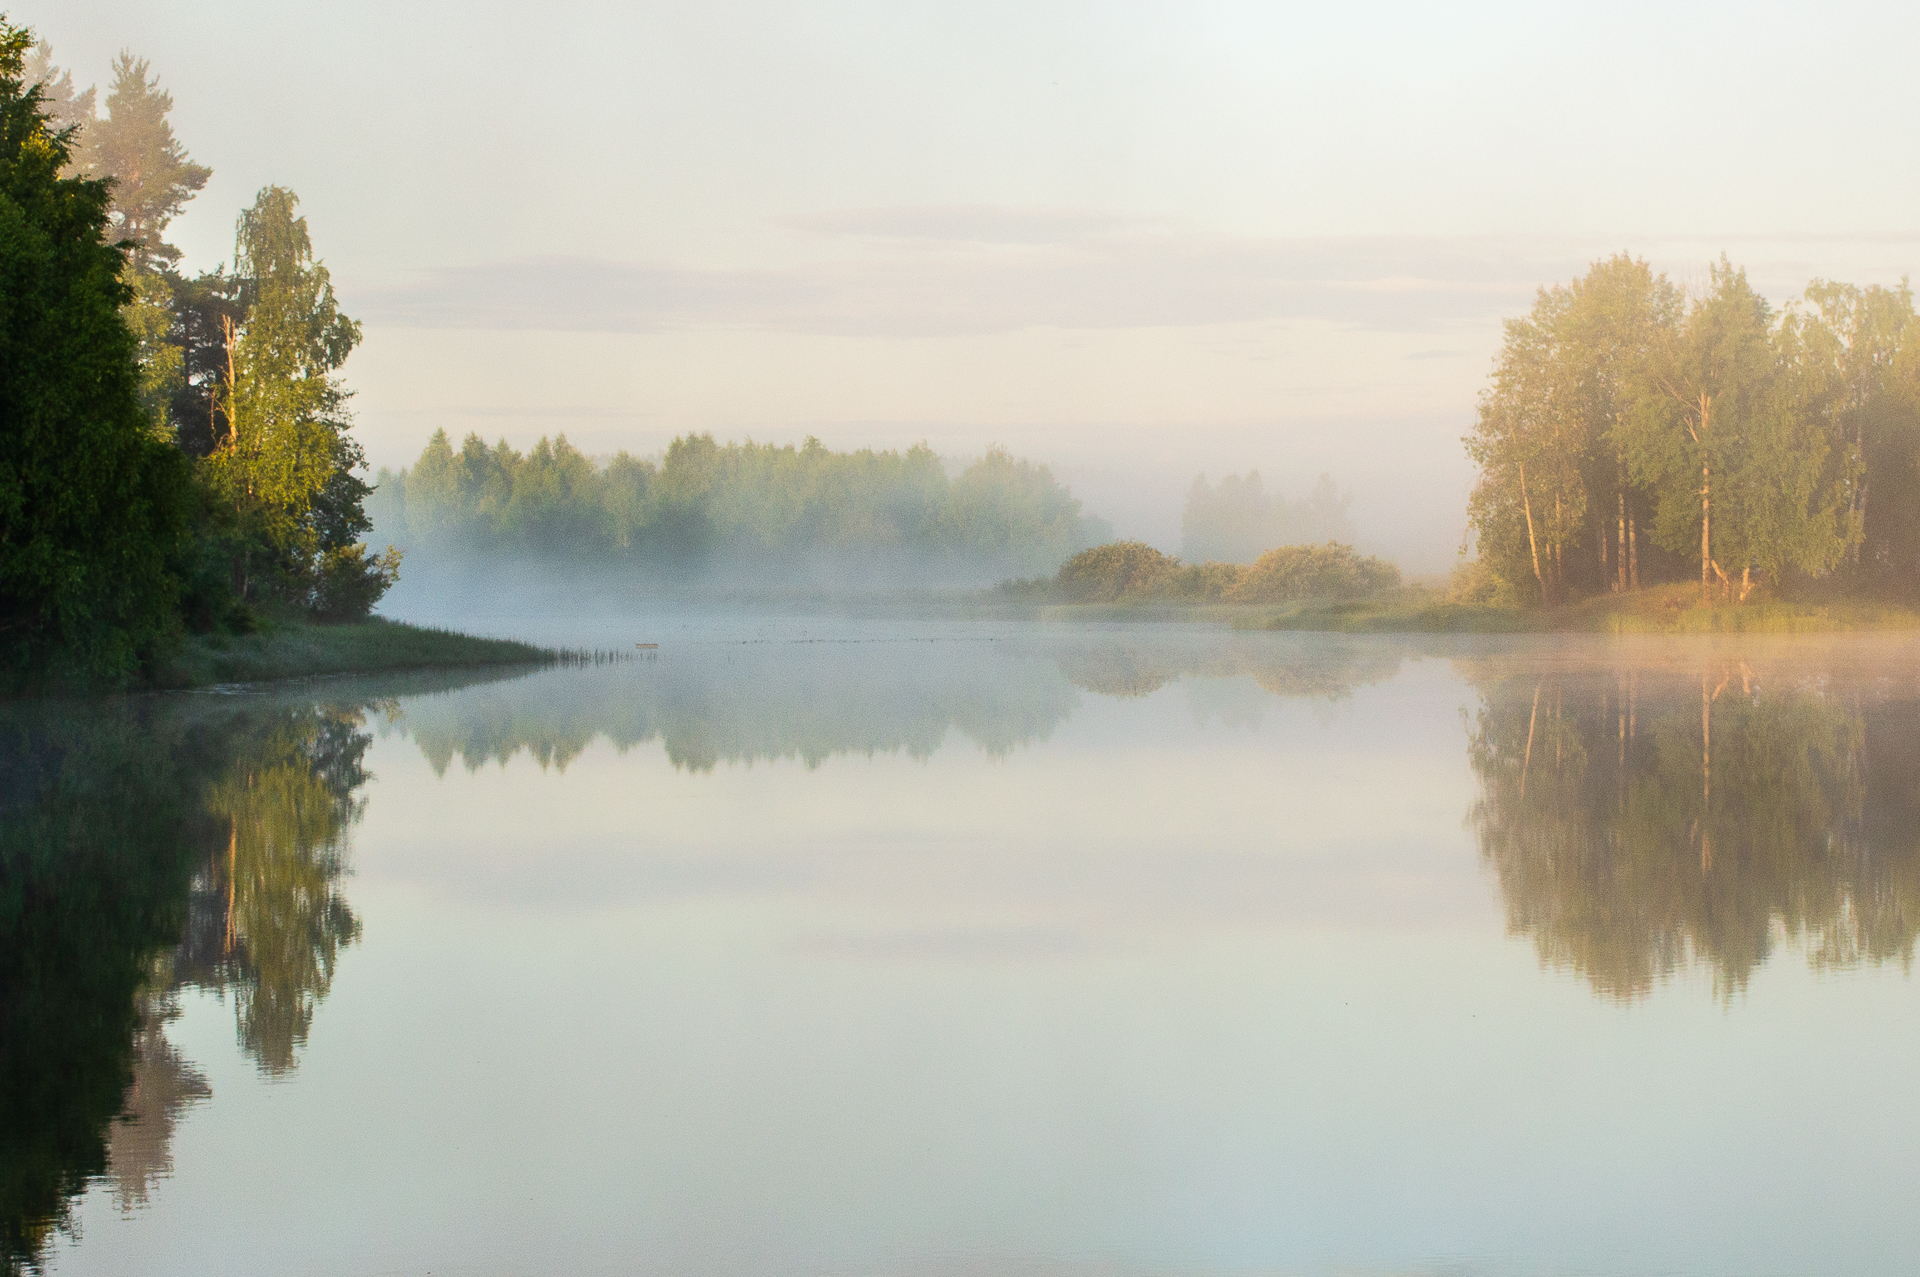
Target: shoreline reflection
<point>739,704</point>
<point>1643,821</point>
<point>151,846</point>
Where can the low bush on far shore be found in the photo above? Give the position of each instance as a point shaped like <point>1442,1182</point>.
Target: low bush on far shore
<point>1132,571</point>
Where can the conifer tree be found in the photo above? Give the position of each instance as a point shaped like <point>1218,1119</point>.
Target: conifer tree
<point>93,510</point>
<point>133,146</point>
<point>66,107</point>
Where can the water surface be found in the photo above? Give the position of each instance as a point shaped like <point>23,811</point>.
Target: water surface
<point>863,948</point>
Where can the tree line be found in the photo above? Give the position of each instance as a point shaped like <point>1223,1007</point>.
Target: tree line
<point>177,452</point>
<point>1634,434</point>
<point>747,503</point>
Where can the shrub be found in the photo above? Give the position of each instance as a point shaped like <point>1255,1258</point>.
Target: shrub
<point>1120,569</point>
<point>1130,571</point>
<point>349,581</point>
<point>1330,571</point>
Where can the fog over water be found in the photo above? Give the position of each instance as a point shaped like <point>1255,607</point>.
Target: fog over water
<point>1136,243</point>
<point>815,909</point>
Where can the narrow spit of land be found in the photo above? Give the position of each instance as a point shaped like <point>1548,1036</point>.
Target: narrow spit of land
<point>303,650</point>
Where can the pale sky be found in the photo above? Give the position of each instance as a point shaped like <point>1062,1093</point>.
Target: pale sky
<point>1134,241</point>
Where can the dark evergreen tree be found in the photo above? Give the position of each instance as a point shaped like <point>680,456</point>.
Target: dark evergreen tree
<point>93,508</point>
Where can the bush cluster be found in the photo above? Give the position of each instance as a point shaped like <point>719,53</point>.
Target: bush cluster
<point>1129,571</point>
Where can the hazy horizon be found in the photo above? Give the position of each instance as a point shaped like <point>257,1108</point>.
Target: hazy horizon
<point>1135,243</point>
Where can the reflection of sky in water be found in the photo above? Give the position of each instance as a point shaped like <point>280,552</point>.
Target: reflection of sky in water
<point>1073,952</point>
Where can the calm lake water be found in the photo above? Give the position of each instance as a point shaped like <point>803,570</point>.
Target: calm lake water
<point>859,948</point>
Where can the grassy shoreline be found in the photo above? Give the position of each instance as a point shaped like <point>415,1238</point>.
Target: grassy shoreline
<point>1667,609</point>
<point>289,650</point>
<point>292,650</point>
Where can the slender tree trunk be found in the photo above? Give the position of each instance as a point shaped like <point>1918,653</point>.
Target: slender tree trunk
<point>1860,489</point>
<point>1621,554</point>
<point>233,855</point>
<point>1706,497</point>
<point>226,325</point>
<point>1633,553</point>
<point>1533,545</point>
<point>1706,526</point>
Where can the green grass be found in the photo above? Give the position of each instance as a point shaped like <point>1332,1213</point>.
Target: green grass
<point>1666,609</point>
<point>292,649</point>
<point>1396,615</point>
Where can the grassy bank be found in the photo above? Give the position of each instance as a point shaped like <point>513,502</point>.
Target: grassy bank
<point>300,650</point>
<point>1667,609</point>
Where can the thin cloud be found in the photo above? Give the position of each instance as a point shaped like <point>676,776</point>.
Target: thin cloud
<point>971,224</point>
<point>969,271</point>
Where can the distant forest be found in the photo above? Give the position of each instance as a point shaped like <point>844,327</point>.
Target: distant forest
<point>759,509</point>
<point>1634,435</point>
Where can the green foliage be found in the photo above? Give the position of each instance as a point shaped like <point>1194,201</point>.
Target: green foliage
<point>760,506</point>
<point>1734,445</point>
<point>283,650</point>
<point>1329,571</point>
<point>1555,511</point>
<point>1631,437</point>
<point>1121,569</point>
<point>93,510</point>
<point>162,364</point>
<point>1132,571</point>
<point>1854,355</point>
<point>285,463</point>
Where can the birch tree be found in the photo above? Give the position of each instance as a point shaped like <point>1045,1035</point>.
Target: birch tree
<point>1708,382</point>
<point>287,459</point>
<point>1529,440</point>
<point>1855,354</point>
<point>1615,317</point>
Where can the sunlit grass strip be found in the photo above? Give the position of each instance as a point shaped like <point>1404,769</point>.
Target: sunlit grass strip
<point>1663,610</point>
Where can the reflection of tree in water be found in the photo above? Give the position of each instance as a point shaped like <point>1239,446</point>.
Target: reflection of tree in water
<point>269,918</point>
<point>1323,667</point>
<point>1642,821</point>
<point>97,836</point>
<point>146,846</point>
<point>164,1085</point>
<point>747,703</point>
